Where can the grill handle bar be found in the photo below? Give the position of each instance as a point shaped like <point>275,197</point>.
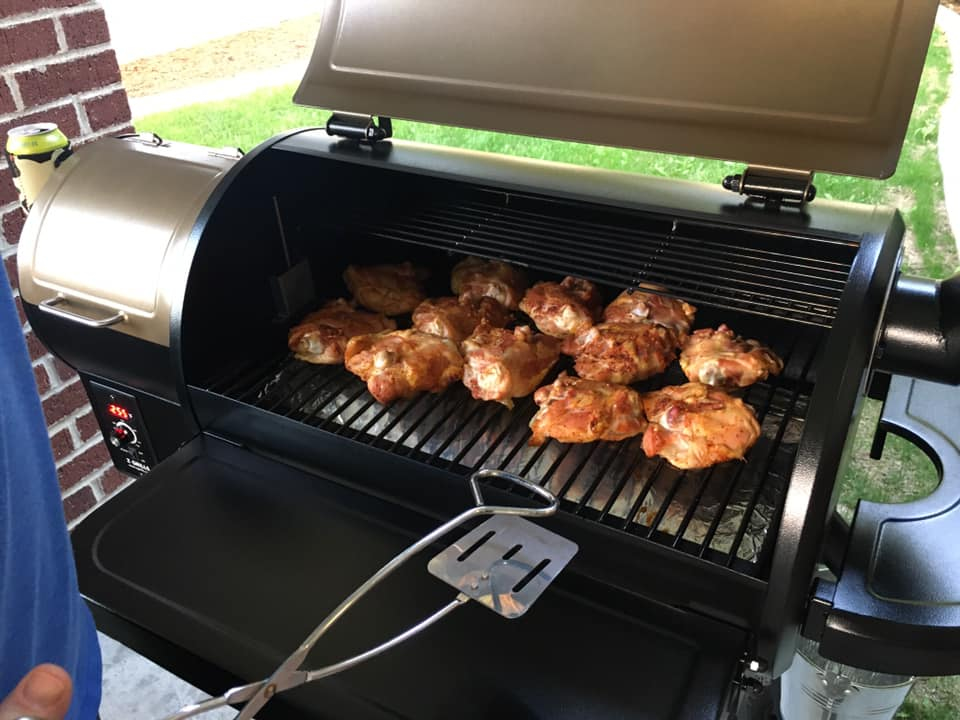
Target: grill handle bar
<point>921,331</point>
<point>895,606</point>
<point>288,674</point>
<point>51,306</point>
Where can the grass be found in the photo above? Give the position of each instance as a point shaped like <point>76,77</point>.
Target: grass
<point>916,188</point>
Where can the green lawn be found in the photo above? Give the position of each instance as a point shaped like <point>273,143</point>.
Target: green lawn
<point>916,189</point>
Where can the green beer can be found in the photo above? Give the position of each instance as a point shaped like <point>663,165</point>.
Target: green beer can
<point>34,151</point>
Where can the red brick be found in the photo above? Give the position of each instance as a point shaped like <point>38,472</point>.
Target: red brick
<point>41,378</point>
<point>68,78</point>
<point>107,110</point>
<point>87,426</point>
<point>65,116</point>
<point>61,444</point>
<point>35,348</point>
<point>70,399</point>
<point>86,463</point>
<point>7,104</point>
<point>10,265</point>
<point>12,225</point>
<point>78,503</point>
<point>8,193</point>
<point>9,8</point>
<point>85,29</point>
<point>64,371</point>
<point>28,41</point>
<point>19,303</point>
<point>113,480</point>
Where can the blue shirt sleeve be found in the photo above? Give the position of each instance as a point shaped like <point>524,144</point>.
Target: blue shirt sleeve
<point>42,616</point>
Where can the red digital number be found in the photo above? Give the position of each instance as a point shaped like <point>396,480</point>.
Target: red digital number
<point>118,411</point>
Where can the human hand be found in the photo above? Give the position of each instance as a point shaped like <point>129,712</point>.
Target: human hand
<point>44,693</point>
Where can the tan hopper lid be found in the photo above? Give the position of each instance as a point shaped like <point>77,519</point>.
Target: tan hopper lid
<point>805,84</point>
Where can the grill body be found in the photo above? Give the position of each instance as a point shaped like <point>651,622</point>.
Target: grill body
<point>730,552</point>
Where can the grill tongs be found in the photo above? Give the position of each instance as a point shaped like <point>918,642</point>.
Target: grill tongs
<point>505,564</point>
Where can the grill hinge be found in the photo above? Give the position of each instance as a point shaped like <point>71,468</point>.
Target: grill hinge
<point>360,127</point>
<point>773,186</point>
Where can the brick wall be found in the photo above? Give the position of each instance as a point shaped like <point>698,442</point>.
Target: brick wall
<point>56,64</point>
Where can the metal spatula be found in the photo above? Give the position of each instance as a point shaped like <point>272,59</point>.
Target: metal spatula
<point>504,564</point>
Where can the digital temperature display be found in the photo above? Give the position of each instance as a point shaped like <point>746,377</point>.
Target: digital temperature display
<point>118,411</point>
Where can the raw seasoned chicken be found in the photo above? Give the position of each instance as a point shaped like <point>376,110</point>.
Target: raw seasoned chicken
<point>389,289</point>
<point>504,364</point>
<point>456,318</point>
<point>573,410</point>
<point>563,309</point>
<point>322,336</point>
<point>402,363</point>
<point>475,277</point>
<point>696,426</point>
<point>622,352</point>
<point>633,305</point>
<point>723,359</point>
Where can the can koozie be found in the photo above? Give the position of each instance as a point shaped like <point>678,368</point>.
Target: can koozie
<point>34,151</point>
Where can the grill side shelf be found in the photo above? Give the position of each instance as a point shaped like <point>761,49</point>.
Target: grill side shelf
<point>896,605</point>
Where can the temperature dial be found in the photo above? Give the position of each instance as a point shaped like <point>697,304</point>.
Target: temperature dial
<point>122,434</point>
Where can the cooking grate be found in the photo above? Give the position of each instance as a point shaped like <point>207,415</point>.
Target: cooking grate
<point>724,514</point>
<point>774,274</point>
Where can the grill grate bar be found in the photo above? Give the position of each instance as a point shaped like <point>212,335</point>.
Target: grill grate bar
<point>678,248</point>
<point>304,377</point>
<point>481,431</point>
<point>761,417</point>
<point>755,495</point>
<point>641,498</point>
<point>613,484</point>
<point>666,502</point>
<point>439,423</point>
<point>343,406</point>
<point>436,454</point>
<point>662,259</point>
<point>518,417</point>
<point>601,473</point>
<point>316,396</point>
<point>612,231</point>
<point>691,287</point>
<point>359,413</point>
<point>621,483</point>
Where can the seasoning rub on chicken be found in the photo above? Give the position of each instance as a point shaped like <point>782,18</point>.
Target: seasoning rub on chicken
<point>504,364</point>
<point>388,289</point>
<point>457,318</point>
<point>562,309</point>
<point>322,336</point>
<point>625,352</point>
<point>574,410</point>
<point>633,305</point>
<point>723,359</point>
<point>402,363</point>
<point>696,426</point>
<point>475,278</point>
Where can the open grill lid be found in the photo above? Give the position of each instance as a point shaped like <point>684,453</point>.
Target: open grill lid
<point>814,85</point>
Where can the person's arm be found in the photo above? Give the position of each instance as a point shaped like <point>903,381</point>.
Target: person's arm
<point>43,694</point>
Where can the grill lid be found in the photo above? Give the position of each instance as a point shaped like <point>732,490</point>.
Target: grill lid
<point>815,85</point>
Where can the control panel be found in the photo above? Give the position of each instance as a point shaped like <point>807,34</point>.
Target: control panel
<point>119,416</point>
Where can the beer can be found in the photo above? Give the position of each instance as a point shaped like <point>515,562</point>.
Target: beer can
<point>34,151</point>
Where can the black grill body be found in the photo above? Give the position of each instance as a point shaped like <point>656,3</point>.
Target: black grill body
<point>724,558</point>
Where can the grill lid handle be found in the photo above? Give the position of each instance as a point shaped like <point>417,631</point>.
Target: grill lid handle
<point>51,306</point>
<point>895,607</point>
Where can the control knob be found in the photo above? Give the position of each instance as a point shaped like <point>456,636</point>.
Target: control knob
<point>122,435</point>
